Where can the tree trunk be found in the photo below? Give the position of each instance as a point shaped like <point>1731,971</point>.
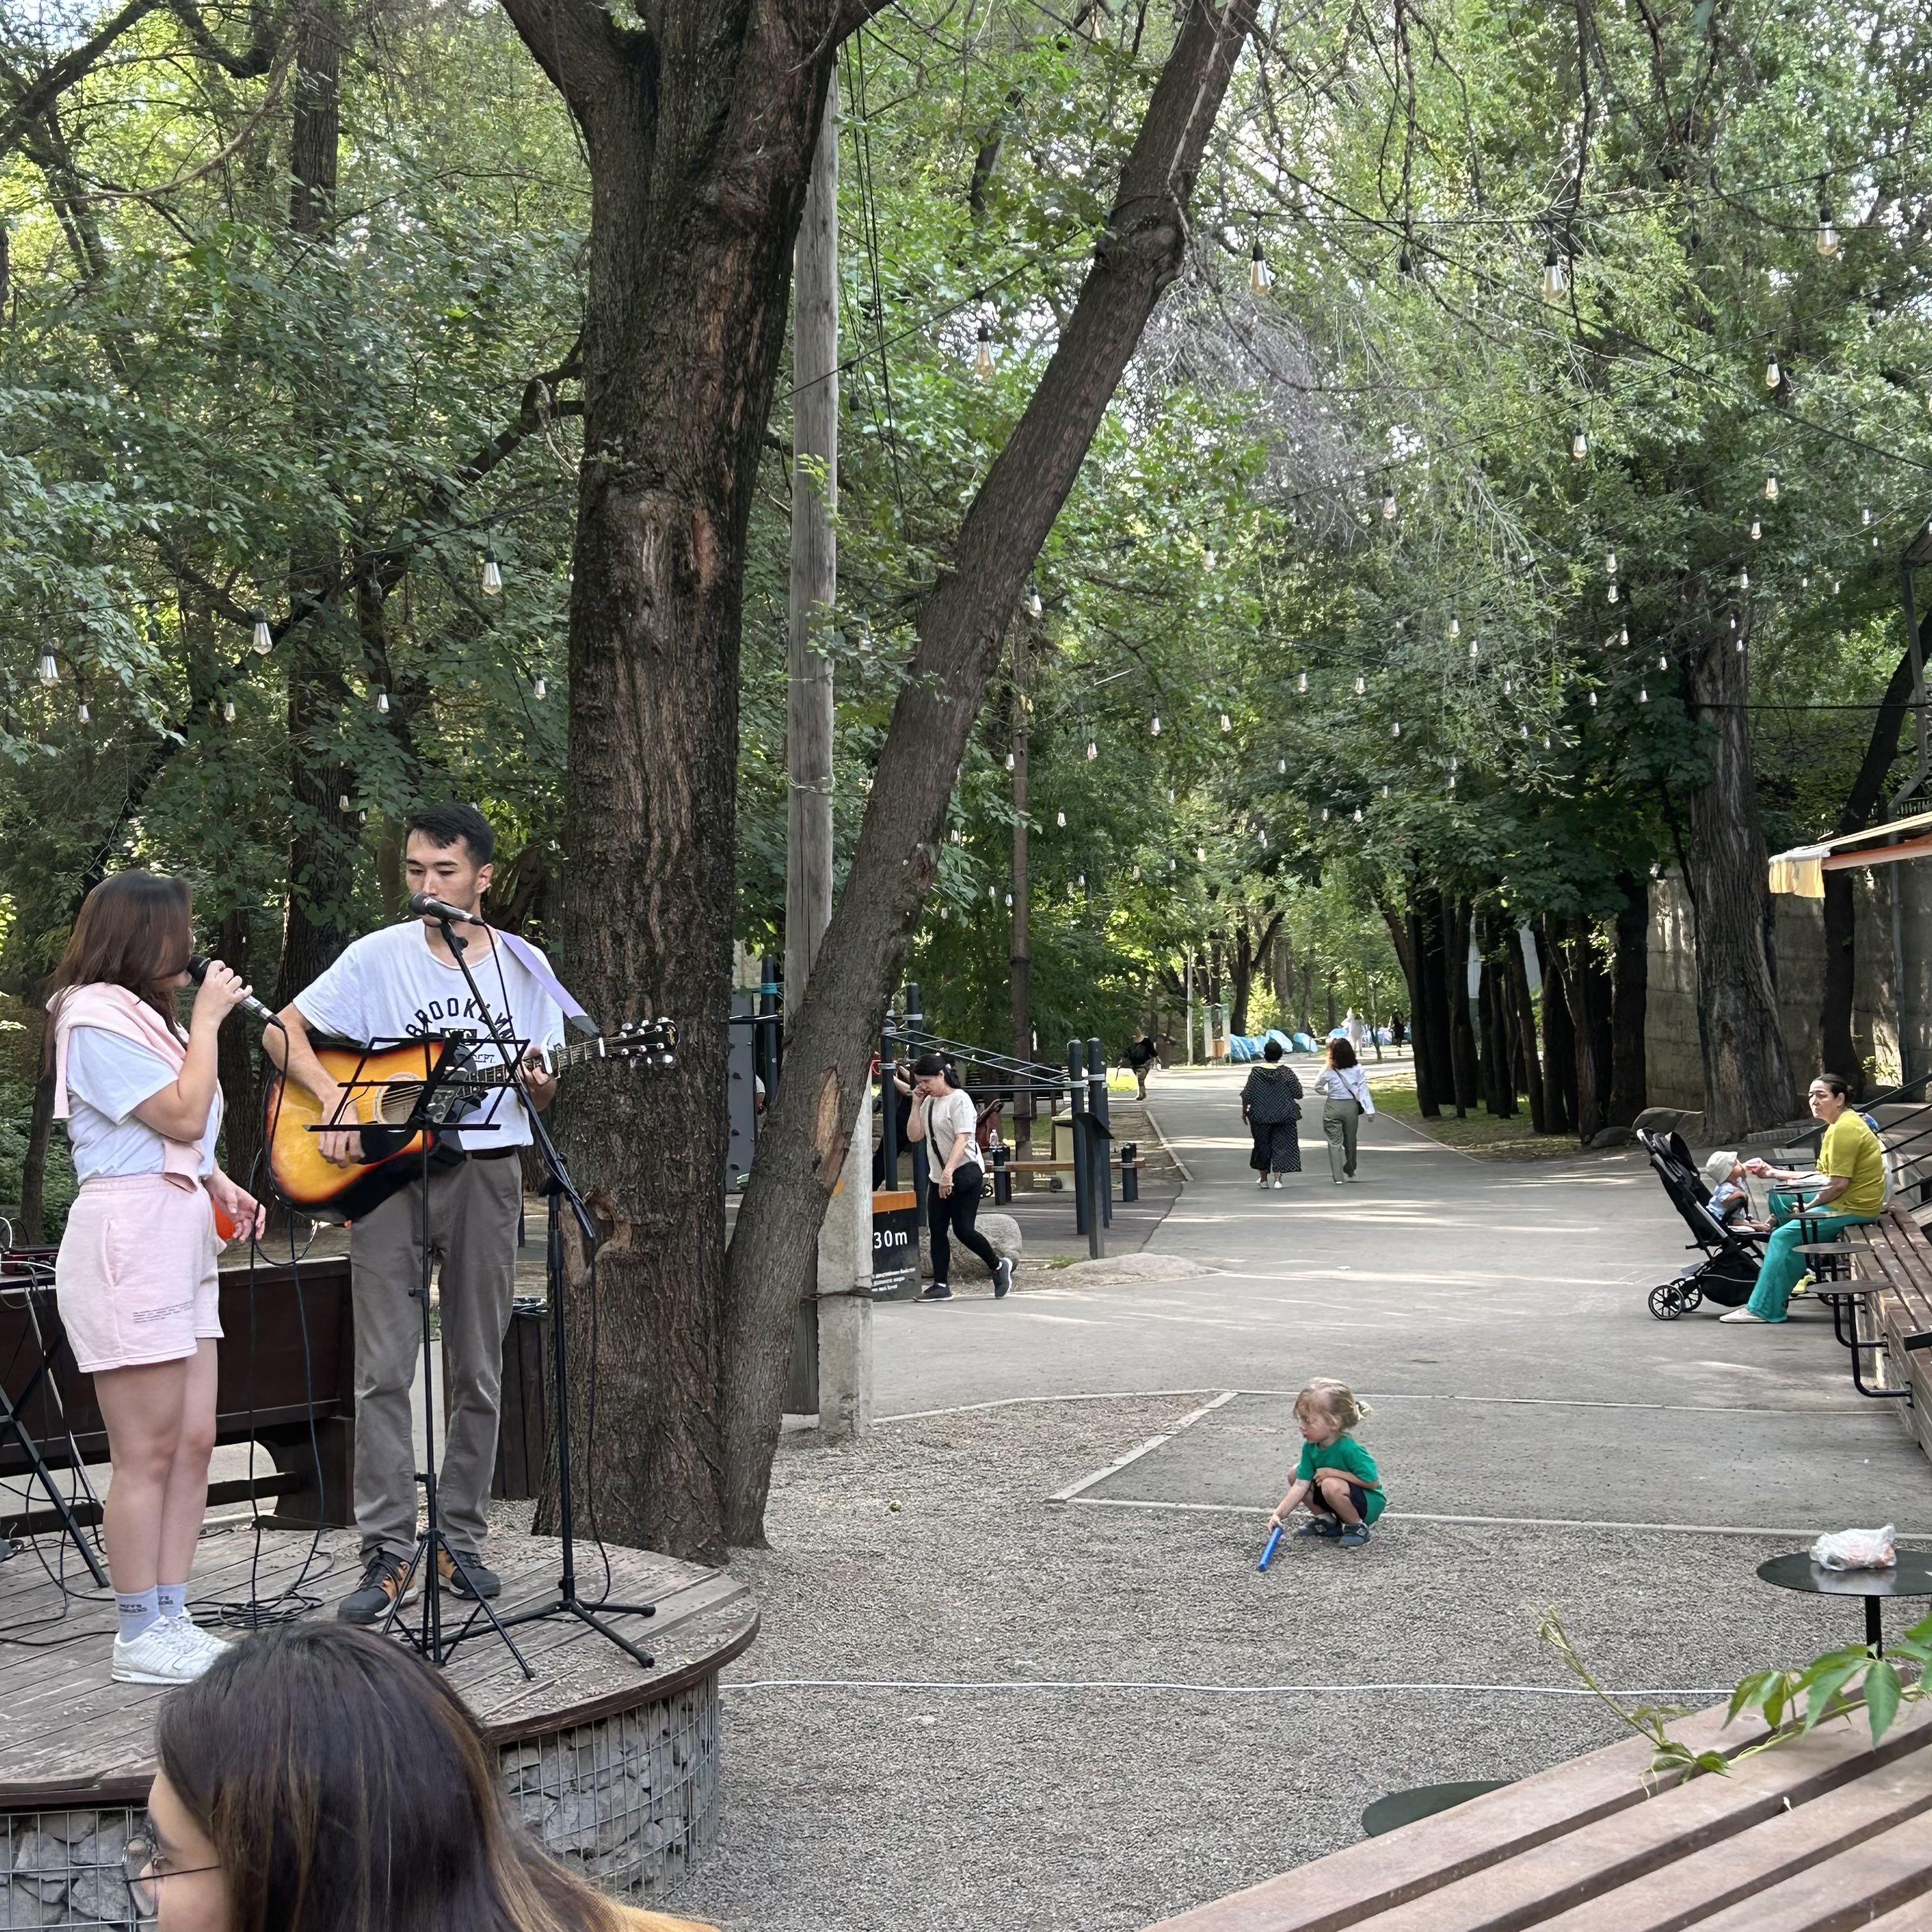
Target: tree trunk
<point>1429,1018</point>
<point>1524,1005</point>
<point>1241,978</point>
<point>1834,1017</point>
<point>1747,1082</point>
<point>1020,946</point>
<point>1630,992</point>
<point>34,1161</point>
<point>1464,1068</point>
<point>1559,1040</point>
<point>1587,988</point>
<point>959,630</point>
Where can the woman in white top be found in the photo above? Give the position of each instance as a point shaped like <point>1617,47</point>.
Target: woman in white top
<point>1344,1092</point>
<point>136,1281</point>
<point>944,1117</point>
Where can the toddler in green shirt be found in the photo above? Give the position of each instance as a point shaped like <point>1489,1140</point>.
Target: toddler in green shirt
<point>1337,1477</point>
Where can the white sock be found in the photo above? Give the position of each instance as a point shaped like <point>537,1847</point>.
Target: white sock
<point>138,1611</point>
<point>172,1598</point>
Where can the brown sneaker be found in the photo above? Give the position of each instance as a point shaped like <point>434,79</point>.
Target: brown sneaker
<point>465,1575</point>
<point>382,1583</point>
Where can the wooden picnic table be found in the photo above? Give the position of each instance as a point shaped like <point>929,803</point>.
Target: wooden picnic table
<point>1818,1834</point>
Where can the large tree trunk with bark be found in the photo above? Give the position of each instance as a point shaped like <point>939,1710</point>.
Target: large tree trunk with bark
<point>1835,1017</point>
<point>1559,1038</point>
<point>1630,997</point>
<point>1523,1003</point>
<point>1586,986</point>
<point>1429,1016</point>
<point>959,630</point>
<point>1464,1069</point>
<point>1747,1082</point>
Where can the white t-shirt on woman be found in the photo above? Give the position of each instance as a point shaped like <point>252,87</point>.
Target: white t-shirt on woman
<point>951,1114</point>
<point>1345,1083</point>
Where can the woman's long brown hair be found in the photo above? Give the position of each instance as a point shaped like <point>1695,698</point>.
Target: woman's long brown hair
<point>346,1789</point>
<point>133,931</point>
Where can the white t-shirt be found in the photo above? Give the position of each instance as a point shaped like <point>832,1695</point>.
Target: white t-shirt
<point>951,1114</point>
<point>1345,1083</point>
<point>107,1078</point>
<point>390,984</point>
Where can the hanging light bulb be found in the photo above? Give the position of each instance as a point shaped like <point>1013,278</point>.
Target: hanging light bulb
<point>1260,276</point>
<point>1610,563</point>
<point>1555,277</point>
<point>1452,781</point>
<point>1827,238</point>
<point>1009,897</point>
<point>1060,819</point>
<point>383,703</point>
<point>1740,647</point>
<point>1579,445</point>
<point>1385,792</point>
<point>1034,606</point>
<point>1395,730</point>
<point>1301,683</point>
<point>1805,582</point>
<point>1455,627</point>
<point>1361,685</point>
<point>1546,741</point>
<point>1522,731</point>
<point>1092,750</point>
<point>983,355</point>
<point>1358,814</point>
<point>1836,586</point>
<point>1642,694</point>
<point>1475,650</point>
<point>1226,723</point>
<point>1010,761</point>
<point>1623,634</point>
<point>260,635</point>
<point>1593,701</point>
<point>1509,684</point>
<point>1200,855</point>
<point>47,671</point>
<point>1281,766</point>
<point>1743,580</point>
<point>493,575</point>
<point>82,715</point>
<point>1613,590</point>
<point>1324,814</point>
<point>1771,487</point>
<point>539,690</point>
<point>1207,558</point>
<point>1154,729</point>
<point>1137,875</point>
<point>228,711</point>
<point>1864,515</point>
<point>1773,375</point>
<point>1757,530</point>
<point>1663,662</point>
<point>1388,506</point>
<point>343,805</point>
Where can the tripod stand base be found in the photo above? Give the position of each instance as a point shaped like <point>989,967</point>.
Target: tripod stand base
<point>427,1640</point>
<point>562,1605</point>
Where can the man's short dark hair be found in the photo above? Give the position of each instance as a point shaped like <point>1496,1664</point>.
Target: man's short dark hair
<point>445,824</point>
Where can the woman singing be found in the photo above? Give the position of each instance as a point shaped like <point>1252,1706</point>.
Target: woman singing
<point>136,1280</point>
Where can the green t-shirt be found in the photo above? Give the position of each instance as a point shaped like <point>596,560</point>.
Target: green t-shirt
<point>1850,1150</point>
<point>1354,1462</point>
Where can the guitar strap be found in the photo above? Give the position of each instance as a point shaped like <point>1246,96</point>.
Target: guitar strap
<point>534,964</point>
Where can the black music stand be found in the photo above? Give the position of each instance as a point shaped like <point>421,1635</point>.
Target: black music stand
<point>427,1640</point>
<point>38,1279</point>
<point>557,1185</point>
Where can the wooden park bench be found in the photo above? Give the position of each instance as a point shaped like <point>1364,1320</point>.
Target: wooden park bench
<point>1822,1832</point>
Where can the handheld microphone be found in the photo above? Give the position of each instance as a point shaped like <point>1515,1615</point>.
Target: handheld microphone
<point>197,971</point>
<point>422,906</point>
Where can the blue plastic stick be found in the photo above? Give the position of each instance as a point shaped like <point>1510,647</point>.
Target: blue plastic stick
<point>1274,1543</point>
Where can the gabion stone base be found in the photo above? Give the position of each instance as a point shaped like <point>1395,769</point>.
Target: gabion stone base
<point>629,1802</point>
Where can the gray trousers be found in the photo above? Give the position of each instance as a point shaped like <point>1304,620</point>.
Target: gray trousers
<point>1341,1121</point>
<point>472,1230</point>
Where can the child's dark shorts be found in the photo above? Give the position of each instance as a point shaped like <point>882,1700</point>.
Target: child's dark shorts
<point>1357,1495</point>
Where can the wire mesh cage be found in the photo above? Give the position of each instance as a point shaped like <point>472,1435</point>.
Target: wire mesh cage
<point>65,1868</point>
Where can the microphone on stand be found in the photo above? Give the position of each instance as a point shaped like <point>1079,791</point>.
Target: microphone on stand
<point>422,906</point>
<point>197,971</point>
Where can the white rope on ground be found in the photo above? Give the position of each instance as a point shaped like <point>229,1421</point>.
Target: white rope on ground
<point>1174,1687</point>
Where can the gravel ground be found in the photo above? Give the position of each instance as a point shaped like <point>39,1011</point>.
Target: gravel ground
<point>904,1809</point>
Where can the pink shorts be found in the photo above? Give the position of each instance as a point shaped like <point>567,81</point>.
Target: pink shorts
<point>137,1281</point>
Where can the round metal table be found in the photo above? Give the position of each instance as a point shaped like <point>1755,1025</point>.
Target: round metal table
<point>1910,1577</point>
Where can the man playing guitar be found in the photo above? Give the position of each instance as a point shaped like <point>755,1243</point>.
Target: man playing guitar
<point>404,980</point>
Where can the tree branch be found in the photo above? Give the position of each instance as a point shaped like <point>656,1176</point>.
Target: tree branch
<point>73,66</point>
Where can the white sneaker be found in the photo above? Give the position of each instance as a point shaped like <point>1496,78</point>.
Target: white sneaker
<point>1277,1180</point>
<point>195,1641</point>
<point>1263,1180</point>
<point>1744,1315</point>
<point>157,1656</point>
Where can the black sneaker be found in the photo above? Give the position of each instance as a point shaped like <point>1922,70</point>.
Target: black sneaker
<point>936,1291</point>
<point>382,1584</point>
<point>1003,1279</point>
<point>465,1575</point>
<point>1320,1525</point>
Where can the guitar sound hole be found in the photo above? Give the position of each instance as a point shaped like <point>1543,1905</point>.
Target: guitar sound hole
<point>399,1101</point>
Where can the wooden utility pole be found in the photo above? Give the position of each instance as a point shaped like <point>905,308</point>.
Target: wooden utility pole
<point>1022,954</point>
<point>843,1264</point>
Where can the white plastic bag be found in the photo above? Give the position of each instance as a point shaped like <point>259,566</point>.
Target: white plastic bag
<point>1856,1549</point>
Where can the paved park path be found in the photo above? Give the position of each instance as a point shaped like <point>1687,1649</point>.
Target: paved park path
<point>977,1706</point>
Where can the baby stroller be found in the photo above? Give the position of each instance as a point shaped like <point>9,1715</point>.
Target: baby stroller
<point>1728,1273</point>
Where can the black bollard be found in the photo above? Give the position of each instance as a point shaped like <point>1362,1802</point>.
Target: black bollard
<point>1003,1180</point>
<point>1130,1171</point>
<point>1101,1131</point>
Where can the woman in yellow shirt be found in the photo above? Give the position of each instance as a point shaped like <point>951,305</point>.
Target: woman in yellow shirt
<point>1849,1185</point>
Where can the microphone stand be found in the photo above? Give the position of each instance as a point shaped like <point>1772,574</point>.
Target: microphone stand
<point>557,1186</point>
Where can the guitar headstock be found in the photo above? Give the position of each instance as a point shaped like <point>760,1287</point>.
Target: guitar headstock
<point>645,1043</point>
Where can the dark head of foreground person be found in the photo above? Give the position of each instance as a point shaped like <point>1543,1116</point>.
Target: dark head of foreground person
<point>320,1779</point>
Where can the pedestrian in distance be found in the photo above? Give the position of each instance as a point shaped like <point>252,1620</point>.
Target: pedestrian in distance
<point>943,1117</point>
<point>1143,1056</point>
<point>1335,1478</point>
<point>1271,1105</point>
<point>1344,1088</point>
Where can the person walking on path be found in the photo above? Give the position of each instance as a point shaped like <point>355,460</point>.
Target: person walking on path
<point>1271,1105</point>
<point>1143,1056</point>
<point>1850,1184</point>
<point>944,1117</point>
<point>1354,1031</point>
<point>1344,1088</point>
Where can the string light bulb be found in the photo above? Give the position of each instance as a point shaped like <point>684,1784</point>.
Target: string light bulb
<point>1227,724</point>
<point>1612,592</point>
<point>983,353</point>
<point>1034,606</point>
<point>1385,791</point>
<point>260,635</point>
<point>82,715</point>
<point>493,575</point>
<point>1593,701</point>
<point>539,690</point>
<point>1358,814</point>
<point>1455,627</point>
<point>1389,506</point>
<point>1281,767</point>
<point>1556,276</point>
<point>1011,761</point>
<point>1200,855</point>
<point>1154,728</point>
<point>47,670</point>
<point>1475,650</point>
<point>1301,684</point>
<point>228,711</point>
<point>1773,374</point>
<point>1579,445</point>
<point>1092,750</point>
<point>342,803</point>
<point>1826,240</point>
<point>1395,730</point>
<point>1771,487</point>
<point>1324,814</point>
<point>1060,819</point>
<point>1260,276</point>
<point>1663,662</point>
<point>1865,514</point>
<point>1610,563</point>
<point>383,703</point>
<point>1642,694</point>
<point>1757,530</point>
<point>1361,685</point>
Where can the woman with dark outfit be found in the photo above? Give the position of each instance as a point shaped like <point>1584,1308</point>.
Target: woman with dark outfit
<point>1271,1104</point>
<point>943,1117</point>
<point>320,1779</point>
<point>1143,1056</point>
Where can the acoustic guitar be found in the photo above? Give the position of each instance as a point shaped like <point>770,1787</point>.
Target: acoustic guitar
<point>388,1093</point>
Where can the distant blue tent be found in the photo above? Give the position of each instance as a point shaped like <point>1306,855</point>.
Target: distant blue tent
<point>1303,1044</point>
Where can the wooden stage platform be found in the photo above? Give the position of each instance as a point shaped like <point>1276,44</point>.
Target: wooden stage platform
<point>614,1766</point>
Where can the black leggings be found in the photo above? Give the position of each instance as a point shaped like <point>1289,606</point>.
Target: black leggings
<point>955,1213</point>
